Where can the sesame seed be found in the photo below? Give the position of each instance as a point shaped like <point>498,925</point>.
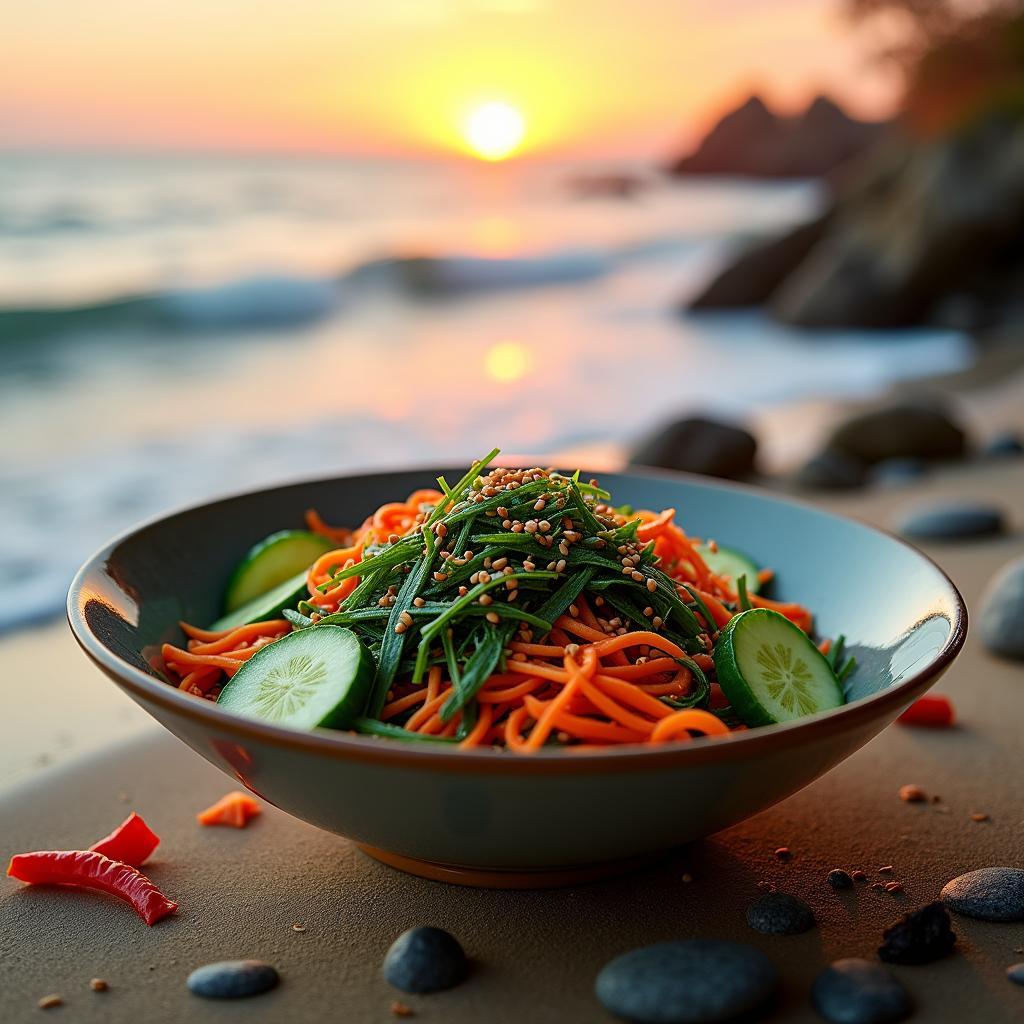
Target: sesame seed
<point>531,526</point>
<point>493,617</point>
<point>440,576</point>
<point>511,584</point>
<point>50,1002</point>
<point>499,563</point>
<point>406,618</point>
<point>638,576</point>
<point>657,622</point>
<point>99,985</point>
<point>627,570</point>
<point>441,530</point>
<point>401,627</point>
<point>912,794</point>
<point>503,512</point>
<point>506,523</point>
<point>894,887</point>
<point>648,611</point>
<point>784,853</point>
<point>418,602</point>
<point>551,566</point>
<point>517,527</point>
<point>475,578</point>
<point>560,565</point>
<point>652,585</point>
<point>574,611</point>
<point>487,562</point>
<point>486,599</point>
<point>485,577</point>
<point>463,591</point>
<point>529,566</point>
<point>544,526</point>
<point>564,548</point>
<point>538,505</point>
<point>394,538</point>
<point>599,601</point>
<point>886,870</point>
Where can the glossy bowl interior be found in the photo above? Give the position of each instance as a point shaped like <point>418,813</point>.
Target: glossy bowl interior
<point>557,812</point>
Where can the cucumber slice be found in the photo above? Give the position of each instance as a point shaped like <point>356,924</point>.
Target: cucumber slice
<point>318,677</point>
<point>268,605</point>
<point>771,671</point>
<point>732,563</point>
<point>274,560</point>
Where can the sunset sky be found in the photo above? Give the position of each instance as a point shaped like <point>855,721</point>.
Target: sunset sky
<point>589,77</point>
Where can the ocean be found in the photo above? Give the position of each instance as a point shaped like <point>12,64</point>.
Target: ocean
<point>175,327</point>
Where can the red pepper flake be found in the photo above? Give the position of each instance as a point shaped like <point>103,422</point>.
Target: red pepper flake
<point>859,876</point>
<point>912,794</point>
<point>784,853</point>
<point>98,985</point>
<point>233,809</point>
<point>132,842</point>
<point>86,869</point>
<point>50,1002</point>
<point>401,1010</point>
<point>979,816</point>
<point>930,712</point>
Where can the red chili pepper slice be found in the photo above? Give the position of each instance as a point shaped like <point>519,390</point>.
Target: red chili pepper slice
<point>132,842</point>
<point>87,869</point>
<point>930,712</point>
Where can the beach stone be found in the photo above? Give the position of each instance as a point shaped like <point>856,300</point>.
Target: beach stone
<point>232,979</point>
<point>425,960</point>
<point>919,937</point>
<point>831,470</point>
<point>989,894</point>
<point>840,879</point>
<point>1016,973</point>
<point>1004,444</point>
<point>699,445</point>
<point>1001,615</point>
<point>898,471</point>
<point>856,991</point>
<point>903,431</point>
<point>952,520</point>
<point>780,913</point>
<point>687,982</point>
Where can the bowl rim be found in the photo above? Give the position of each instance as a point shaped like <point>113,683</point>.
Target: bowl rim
<point>345,745</point>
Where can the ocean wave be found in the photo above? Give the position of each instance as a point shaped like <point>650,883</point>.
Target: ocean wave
<point>273,301</point>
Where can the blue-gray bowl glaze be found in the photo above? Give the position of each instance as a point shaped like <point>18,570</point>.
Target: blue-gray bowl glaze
<point>903,619</point>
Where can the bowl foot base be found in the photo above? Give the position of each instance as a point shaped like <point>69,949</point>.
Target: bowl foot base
<point>509,878</point>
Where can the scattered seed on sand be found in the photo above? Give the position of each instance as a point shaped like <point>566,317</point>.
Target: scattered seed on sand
<point>979,816</point>
<point>687,877</point>
<point>98,985</point>
<point>859,876</point>
<point>401,1010</point>
<point>894,887</point>
<point>912,794</point>
<point>886,869</point>
<point>878,887</point>
<point>784,853</point>
<point>50,1002</point>
<point>298,927</point>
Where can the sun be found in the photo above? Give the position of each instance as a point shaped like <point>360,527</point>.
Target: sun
<point>494,131</point>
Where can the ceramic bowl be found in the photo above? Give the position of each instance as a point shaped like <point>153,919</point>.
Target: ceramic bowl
<point>489,817</point>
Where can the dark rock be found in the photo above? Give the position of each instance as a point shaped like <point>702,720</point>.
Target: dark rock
<point>989,894</point>
<point>918,938</point>
<point>840,879</point>
<point>860,992</point>
<point>753,275</point>
<point>905,431</point>
<point>1016,973</point>
<point>898,471</point>
<point>689,982</point>
<point>753,141</point>
<point>779,913</point>
<point>232,979</point>
<point>1006,443</point>
<point>831,471</point>
<point>1001,618</point>
<point>698,445</point>
<point>425,960</point>
<point>952,520</point>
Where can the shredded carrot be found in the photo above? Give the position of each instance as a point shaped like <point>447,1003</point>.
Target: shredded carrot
<point>233,809</point>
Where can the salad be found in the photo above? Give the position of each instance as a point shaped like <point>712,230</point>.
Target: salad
<point>517,609</point>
